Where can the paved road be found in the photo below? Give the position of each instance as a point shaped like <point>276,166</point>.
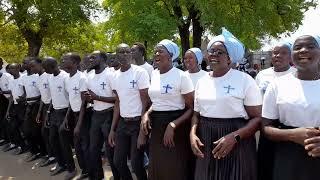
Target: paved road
<point>13,167</point>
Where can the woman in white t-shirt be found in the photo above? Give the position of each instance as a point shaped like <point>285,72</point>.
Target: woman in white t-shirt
<point>291,114</point>
<point>192,60</point>
<point>227,113</point>
<point>171,94</point>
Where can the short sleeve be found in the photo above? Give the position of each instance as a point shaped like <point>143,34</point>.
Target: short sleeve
<point>144,80</point>
<point>269,108</point>
<point>253,95</point>
<point>196,104</point>
<point>186,84</point>
<point>83,84</point>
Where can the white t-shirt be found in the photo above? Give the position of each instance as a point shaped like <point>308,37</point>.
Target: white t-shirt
<point>43,86</point>
<point>127,84</point>
<point>59,95</point>
<point>196,76</point>
<point>74,86</point>
<point>5,80</point>
<point>166,89</point>
<point>266,76</point>
<point>293,101</point>
<point>101,85</point>
<point>3,70</point>
<point>148,68</point>
<point>30,85</point>
<point>226,96</point>
<point>16,88</point>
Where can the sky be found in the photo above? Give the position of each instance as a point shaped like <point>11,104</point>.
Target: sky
<point>310,25</point>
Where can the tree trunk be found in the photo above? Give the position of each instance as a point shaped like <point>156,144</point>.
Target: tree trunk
<point>184,37</point>
<point>34,47</point>
<point>197,33</point>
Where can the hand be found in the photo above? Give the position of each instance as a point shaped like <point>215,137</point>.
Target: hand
<point>301,134</point>
<point>168,138</point>
<point>38,118</point>
<point>111,138</point>
<point>93,95</point>
<point>312,145</point>
<point>87,96</point>
<point>64,125</point>
<point>195,145</point>
<point>142,139</point>
<point>76,131</point>
<point>21,99</point>
<point>224,146</point>
<point>145,124</point>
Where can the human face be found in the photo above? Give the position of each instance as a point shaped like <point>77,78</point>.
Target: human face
<point>25,65</point>
<point>14,70</point>
<point>114,62</point>
<point>281,57</point>
<point>306,53</point>
<point>190,61</point>
<point>35,68</point>
<point>68,65</point>
<point>162,57</point>
<point>93,61</point>
<point>218,57</point>
<point>136,54</point>
<point>124,55</point>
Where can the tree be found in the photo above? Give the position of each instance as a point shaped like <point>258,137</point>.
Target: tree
<point>37,19</point>
<point>250,20</point>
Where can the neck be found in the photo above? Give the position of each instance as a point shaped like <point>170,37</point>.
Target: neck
<point>140,61</point>
<point>194,70</point>
<point>220,73</point>
<point>124,68</point>
<point>165,69</point>
<point>29,73</point>
<point>281,69</point>
<point>16,76</point>
<point>72,73</point>
<point>310,74</point>
<point>55,73</point>
<point>100,68</point>
<point>41,72</point>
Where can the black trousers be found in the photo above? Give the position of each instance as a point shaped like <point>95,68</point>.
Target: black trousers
<point>126,143</point>
<point>32,129</point>
<point>99,131</point>
<point>56,119</point>
<point>15,123</point>
<point>45,130</point>
<point>4,102</point>
<point>81,143</point>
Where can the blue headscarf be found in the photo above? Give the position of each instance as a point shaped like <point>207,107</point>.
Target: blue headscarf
<point>197,52</point>
<point>171,47</point>
<point>234,47</point>
<point>286,44</point>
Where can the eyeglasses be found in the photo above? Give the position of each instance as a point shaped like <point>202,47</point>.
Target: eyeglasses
<point>216,52</point>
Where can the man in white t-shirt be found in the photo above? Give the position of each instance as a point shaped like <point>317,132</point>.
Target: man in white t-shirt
<point>5,78</point>
<point>16,109</point>
<point>281,58</point>
<point>138,55</point>
<point>130,85</point>
<point>76,87</point>
<point>101,95</point>
<point>59,104</point>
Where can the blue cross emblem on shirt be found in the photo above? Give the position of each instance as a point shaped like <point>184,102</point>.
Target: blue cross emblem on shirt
<point>6,85</point>
<point>133,83</point>
<point>166,88</point>
<point>33,83</point>
<point>60,88</point>
<point>229,88</point>
<point>45,85</point>
<point>76,90</point>
<point>103,85</point>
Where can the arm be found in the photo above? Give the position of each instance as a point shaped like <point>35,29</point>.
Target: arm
<point>115,120</point>
<point>39,112</point>
<point>102,98</point>
<point>145,100</point>
<point>9,106</point>
<point>81,115</point>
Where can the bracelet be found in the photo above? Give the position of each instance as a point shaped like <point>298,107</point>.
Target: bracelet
<point>173,125</point>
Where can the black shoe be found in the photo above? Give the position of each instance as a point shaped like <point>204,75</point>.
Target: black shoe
<point>33,157</point>
<point>83,176</point>
<point>9,147</point>
<point>47,162</point>
<point>18,151</point>
<point>70,175</point>
<point>57,170</point>
<point>4,142</point>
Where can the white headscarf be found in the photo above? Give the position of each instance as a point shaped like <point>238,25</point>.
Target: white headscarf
<point>172,48</point>
<point>234,47</point>
<point>197,52</point>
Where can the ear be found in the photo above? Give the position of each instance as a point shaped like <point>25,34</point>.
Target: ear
<point>229,60</point>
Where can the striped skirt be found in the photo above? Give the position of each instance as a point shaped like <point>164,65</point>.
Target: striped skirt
<point>170,163</point>
<point>291,161</point>
<point>239,164</point>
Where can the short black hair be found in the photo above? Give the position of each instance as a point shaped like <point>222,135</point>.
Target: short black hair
<point>74,57</point>
<point>141,48</point>
<point>37,60</point>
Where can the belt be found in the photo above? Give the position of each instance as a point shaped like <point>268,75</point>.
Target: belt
<point>60,110</point>
<point>129,119</point>
<point>104,111</point>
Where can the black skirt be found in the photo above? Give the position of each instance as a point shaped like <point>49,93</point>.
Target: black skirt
<point>292,162</point>
<point>170,163</point>
<point>239,164</point>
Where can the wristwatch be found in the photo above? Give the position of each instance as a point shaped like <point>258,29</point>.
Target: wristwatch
<point>237,137</point>
<point>173,125</point>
